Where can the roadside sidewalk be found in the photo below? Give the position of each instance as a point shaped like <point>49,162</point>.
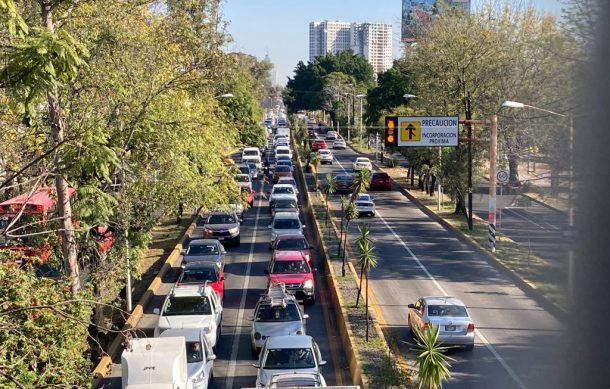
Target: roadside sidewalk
<point>532,273</point>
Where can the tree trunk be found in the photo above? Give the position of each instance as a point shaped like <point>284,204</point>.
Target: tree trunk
<point>359,286</point>
<point>513,166</point>
<point>366,304</point>
<point>340,238</point>
<point>64,207</point>
<point>344,249</point>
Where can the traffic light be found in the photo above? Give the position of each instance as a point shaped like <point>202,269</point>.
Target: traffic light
<point>391,131</point>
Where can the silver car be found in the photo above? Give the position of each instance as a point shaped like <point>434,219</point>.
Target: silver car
<point>276,313</point>
<point>223,226</point>
<point>456,328</point>
<point>339,144</point>
<point>286,223</point>
<point>365,204</point>
<point>205,250</point>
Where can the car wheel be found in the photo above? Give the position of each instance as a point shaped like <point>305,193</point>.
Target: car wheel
<point>469,347</point>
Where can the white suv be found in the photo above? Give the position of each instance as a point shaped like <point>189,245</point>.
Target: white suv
<point>191,306</point>
<point>294,353</point>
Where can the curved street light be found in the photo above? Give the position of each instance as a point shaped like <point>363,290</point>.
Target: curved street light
<point>224,96</point>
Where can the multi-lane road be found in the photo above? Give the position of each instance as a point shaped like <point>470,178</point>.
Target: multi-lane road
<point>515,337</point>
<point>245,282</point>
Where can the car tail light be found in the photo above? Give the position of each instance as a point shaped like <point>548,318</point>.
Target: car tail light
<point>425,326</point>
<point>470,327</point>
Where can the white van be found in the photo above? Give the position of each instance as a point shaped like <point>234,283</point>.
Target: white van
<point>255,159</point>
<point>250,152</point>
<point>283,150</point>
<point>199,355</point>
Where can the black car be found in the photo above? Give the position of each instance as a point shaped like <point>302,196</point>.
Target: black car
<point>343,183</point>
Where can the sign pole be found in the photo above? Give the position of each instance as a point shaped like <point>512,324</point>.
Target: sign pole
<point>493,149</point>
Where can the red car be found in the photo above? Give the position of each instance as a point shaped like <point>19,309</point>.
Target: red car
<point>281,171</point>
<point>319,144</point>
<point>380,181</point>
<point>200,273</point>
<point>293,270</point>
<point>292,243</point>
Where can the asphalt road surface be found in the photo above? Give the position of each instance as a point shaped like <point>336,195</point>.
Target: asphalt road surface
<point>515,337</point>
<point>244,283</point>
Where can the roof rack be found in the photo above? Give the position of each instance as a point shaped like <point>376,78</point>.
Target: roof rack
<point>277,295</point>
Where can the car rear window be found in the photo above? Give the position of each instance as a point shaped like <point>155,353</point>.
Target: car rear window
<point>202,249</point>
<point>286,224</point>
<point>291,244</point>
<point>447,310</point>
<point>192,305</point>
<point>282,168</point>
<point>221,219</point>
<point>380,175</point>
<point>283,203</point>
<point>267,313</point>
<point>283,190</point>
<point>290,267</point>
<point>200,275</point>
<point>282,152</point>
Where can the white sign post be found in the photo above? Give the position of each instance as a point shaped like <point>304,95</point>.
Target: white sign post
<point>427,131</point>
<point>502,177</point>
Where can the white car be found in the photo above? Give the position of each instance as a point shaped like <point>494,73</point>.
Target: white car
<point>365,204</point>
<point>199,355</point>
<point>300,380</point>
<point>282,189</point>
<point>339,144</point>
<point>191,306</point>
<point>283,150</point>
<point>362,163</point>
<point>294,353</point>
<point>326,156</point>
<point>291,181</point>
<point>244,181</point>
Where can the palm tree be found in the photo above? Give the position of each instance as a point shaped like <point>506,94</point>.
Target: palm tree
<point>314,160</point>
<point>432,361</point>
<point>330,189</point>
<point>350,213</point>
<point>362,181</point>
<point>364,237</point>
<point>343,205</point>
<point>368,261</point>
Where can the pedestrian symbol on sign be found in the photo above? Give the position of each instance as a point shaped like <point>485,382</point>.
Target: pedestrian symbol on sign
<point>410,131</point>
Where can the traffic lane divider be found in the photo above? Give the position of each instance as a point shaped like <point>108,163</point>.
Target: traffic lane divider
<point>105,362</point>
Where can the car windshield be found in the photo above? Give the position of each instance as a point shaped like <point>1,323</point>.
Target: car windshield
<point>202,249</point>
<point>189,305</point>
<point>447,310</point>
<point>221,219</point>
<point>250,153</point>
<point>193,352</point>
<point>286,224</point>
<point>200,275</point>
<point>380,175</point>
<point>283,190</point>
<point>361,160</point>
<point>290,267</point>
<point>284,152</point>
<point>284,163</point>
<point>364,197</point>
<point>282,169</point>
<point>289,181</point>
<point>289,358</point>
<point>267,313</point>
<point>284,203</point>
<point>291,244</point>
<point>243,178</point>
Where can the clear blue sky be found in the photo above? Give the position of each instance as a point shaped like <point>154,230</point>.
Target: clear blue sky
<point>281,27</point>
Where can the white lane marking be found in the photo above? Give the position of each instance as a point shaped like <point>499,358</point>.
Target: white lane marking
<point>478,333</point>
<point>242,303</point>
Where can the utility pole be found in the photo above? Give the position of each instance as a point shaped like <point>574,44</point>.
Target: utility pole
<point>493,151</point>
<point>469,128</point>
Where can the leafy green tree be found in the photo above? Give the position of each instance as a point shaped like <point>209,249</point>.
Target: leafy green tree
<point>362,181</point>
<point>367,261</point>
<point>392,85</point>
<point>343,202</point>
<point>350,213</point>
<point>365,236</point>
<point>329,189</point>
<point>433,363</point>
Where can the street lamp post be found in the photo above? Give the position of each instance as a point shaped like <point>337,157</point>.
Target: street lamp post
<point>515,104</point>
<point>360,96</point>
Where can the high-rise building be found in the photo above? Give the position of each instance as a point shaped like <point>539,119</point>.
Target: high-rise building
<point>416,13</point>
<point>371,40</point>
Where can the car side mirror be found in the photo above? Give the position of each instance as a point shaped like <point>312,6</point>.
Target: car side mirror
<point>157,311</point>
<point>256,365</point>
<point>211,357</point>
<point>322,363</point>
<point>411,306</point>
<point>303,226</point>
<point>266,271</point>
<point>305,316</point>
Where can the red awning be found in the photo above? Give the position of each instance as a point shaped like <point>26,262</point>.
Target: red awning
<point>44,198</point>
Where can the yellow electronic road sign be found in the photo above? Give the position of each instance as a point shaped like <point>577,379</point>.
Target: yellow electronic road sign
<point>410,131</point>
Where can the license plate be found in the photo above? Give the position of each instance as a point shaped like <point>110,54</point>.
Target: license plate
<point>449,328</point>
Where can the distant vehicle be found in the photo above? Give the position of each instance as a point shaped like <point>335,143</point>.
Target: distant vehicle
<point>199,355</point>
<point>293,243</point>
<point>283,203</point>
<point>343,183</point>
<point>250,152</point>
<point>285,223</point>
<point>223,226</point>
<point>285,162</point>
<point>282,189</point>
<point>191,306</point>
<point>291,181</point>
<point>244,169</point>
<point>331,135</point>
<point>365,204</point>
<point>159,360</point>
<point>202,273</point>
<point>294,380</point>
<point>339,144</point>
<point>380,181</point>
<point>283,150</point>
<point>253,159</point>
<point>281,171</point>
<point>276,313</point>
<point>456,328</point>
<point>244,181</point>
<point>362,163</point>
<point>283,130</point>
<point>295,271</point>
<point>205,250</point>
<point>311,133</point>
<point>277,137</point>
<point>319,144</point>
<point>297,354</point>
<point>253,170</point>
<point>326,156</point>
